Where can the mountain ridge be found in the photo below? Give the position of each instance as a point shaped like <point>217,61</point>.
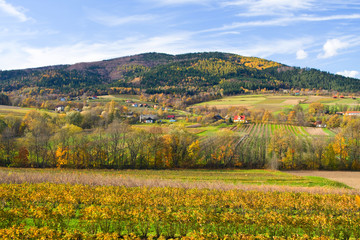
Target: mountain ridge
<point>161,72</point>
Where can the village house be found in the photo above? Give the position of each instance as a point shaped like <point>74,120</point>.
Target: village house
<point>59,108</point>
<point>148,118</point>
<point>352,113</point>
<point>320,124</point>
<point>241,119</point>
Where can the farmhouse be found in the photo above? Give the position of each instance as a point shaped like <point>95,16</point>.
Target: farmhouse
<point>352,113</point>
<point>320,124</point>
<point>148,118</point>
<point>59,108</point>
<point>241,119</point>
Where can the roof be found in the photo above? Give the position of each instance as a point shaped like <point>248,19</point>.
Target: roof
<point>150,116</point>
<point>242,117</point>
<point>352,112</point>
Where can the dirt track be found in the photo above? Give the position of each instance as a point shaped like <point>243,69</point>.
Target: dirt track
<point>352,179</point>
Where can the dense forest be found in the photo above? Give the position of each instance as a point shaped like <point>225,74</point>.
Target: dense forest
<point>188,74</point>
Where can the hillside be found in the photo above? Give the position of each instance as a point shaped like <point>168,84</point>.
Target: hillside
<point>186,74</point>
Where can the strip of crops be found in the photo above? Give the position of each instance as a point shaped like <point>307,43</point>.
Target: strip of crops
<point>50,211</point>
<point>304,132</point>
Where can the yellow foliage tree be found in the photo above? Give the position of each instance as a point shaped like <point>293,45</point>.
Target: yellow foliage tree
<point>61,155</point>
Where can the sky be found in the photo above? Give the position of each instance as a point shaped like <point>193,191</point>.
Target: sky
<point>307,33</point>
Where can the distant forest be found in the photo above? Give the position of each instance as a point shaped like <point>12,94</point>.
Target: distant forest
<point>186,74</point>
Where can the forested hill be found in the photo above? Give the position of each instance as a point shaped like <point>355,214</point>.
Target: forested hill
<point>186,73</point>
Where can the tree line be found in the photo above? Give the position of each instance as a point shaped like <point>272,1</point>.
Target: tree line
<point>41,140</point>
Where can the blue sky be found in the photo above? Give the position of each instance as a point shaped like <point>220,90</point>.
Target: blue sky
<point>306,33</point>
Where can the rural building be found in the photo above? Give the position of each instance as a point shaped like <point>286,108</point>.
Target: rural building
<point>148,118</point>
<point>241,119</point>
<point>217,117</point>
<point>170,116</point>
<point>59,108</point>
<point>320,124</point>
<point>352,113</point>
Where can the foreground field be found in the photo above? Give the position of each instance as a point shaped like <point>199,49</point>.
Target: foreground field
<point>53,211</point>
<point>186,204</point>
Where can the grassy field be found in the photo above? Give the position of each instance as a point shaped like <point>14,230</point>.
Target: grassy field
<point>15,111</point>
<point>19,111</point>
<point>117,98</point>
<point>147,204</point>
<point>274,103</point>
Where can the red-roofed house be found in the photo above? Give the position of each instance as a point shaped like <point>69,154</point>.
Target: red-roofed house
<point>240,119</point>
<point>352,113</point>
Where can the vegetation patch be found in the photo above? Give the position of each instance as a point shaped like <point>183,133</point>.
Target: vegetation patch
<point>81,211</point>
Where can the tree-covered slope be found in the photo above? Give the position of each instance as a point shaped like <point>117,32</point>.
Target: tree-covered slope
<point>185,73</point>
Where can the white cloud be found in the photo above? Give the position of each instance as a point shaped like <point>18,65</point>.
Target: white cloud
<point>283,21</point>
<point>301,54</point>
<point>265,48</point>
<point>16,56</point>
<point>269,7</point>
<point>112,21</point>
<point>180,2</point>
<point>353,73</point>
<point>331,48</point>
<point>12,11</point>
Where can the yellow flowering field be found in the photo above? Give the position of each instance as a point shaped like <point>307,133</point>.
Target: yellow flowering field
<point>64,211</point>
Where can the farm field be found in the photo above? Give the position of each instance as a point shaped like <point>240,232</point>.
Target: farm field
<point>273,103</point>
<point>19,111</point>
<point>15,111</point>
<point>34,208</point>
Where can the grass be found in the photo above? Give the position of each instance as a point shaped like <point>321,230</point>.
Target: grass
<point>156,178</point>
<point>329,132</point>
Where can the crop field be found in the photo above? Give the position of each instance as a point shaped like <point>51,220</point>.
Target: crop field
<point>274,103</point>
<point>58,204</point>
<point>266,130</point>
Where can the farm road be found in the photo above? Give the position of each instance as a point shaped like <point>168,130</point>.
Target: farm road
<point>352,179</point>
